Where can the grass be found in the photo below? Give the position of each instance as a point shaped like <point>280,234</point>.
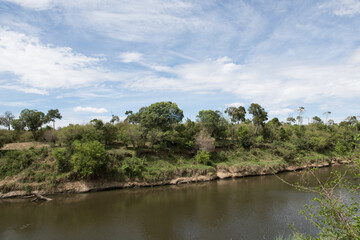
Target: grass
<point>24,145</point>
<point>36,167</point>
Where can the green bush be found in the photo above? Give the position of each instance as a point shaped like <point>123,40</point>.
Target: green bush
<point>88,159</point>
<point>341,149</point>
<point>244,136</point>
<point>133,167</point>
<point>318,143</point>
<point>62,159</point>
<point>203,158</point>
<point>13,162</point>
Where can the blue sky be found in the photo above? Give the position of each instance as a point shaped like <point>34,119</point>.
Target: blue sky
<point>92,58</point>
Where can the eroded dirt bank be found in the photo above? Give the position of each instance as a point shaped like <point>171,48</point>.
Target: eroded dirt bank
<point>222,172</point>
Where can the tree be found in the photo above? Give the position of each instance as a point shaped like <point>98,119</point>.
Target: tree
<point>290,120</point>
<point>161,115</point>
<point>327,113</point>
<point>213,123</point>
<point>6,119</point>
<point>33,120</point>
<point>52,115</point>
<point>98,123</point>
<point>301,111</point>
<point>237,114</point>
<point>110,133</point>
<point>259,115</point>
<point>317,120</point>
<point>114,119</point>
<point>18,124</point>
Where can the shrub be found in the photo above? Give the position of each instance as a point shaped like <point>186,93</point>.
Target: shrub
<point>14,162</point>
<point>244,136</point>
<point>203,158</point>
<point>341,149</point>
<point>133,167</point>
<point>318,143</point>
<point>89,159</point>
<point>62,160</point>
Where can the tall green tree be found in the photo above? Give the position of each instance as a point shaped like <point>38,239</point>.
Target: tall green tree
<point>259,115</point>
<point>301,111</point>
<point>236,114</point>
<point>18,124</point>
<point>6,119</point>
<point>33,120</point>
<point>53,114</point>
<point>161,115</point>
<point>213,123</point>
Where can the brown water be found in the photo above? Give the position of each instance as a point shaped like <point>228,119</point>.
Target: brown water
<point>244,208</point>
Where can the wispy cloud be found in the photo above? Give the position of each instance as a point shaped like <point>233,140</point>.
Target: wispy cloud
<point>33,4</point>
<point>47,67</point>
<point>272,83</point>
<point>342,7</point>
<point>128,57</point>
<point>90,109</point>
<point>25,89</point>
<point>235,104</point>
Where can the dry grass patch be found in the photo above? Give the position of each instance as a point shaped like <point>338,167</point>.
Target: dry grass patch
<point>23,145</point>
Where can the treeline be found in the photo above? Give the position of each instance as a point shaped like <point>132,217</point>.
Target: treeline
<point>161,129</point>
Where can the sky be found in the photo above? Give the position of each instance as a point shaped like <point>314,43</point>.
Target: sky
<point>94,58</point>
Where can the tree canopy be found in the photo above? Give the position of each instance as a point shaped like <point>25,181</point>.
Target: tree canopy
<point>6,119</point>
<point>237,114</point>
<point>259,115</point>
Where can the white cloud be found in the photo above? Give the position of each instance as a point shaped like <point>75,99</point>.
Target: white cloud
<point>33,4</point>
<point>42,67</point>
<point>235,104</point>
<point>90,109</point>
<point>274,83</point>
<point>25,89</point>
<point>14,104</point>
<point>128,57</point>
<point>343,7</point>
<point>284,111</point>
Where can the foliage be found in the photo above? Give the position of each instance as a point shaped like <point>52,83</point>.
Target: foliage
<point>133,167</point>
<point>336,214</point>
<point>203,158</point>
<point>18,124</point>
<point>213,123</point>
<point>130,134</point>
<point>161,115</point>
<point>244,136</point>
<point>88,159</point>
<point>237,114</point>
<point>13,162</point>
<point>6,119</point>
<point>62,159</point>
<point>259,115</point>
<point>33,120</point>
<point>53,114</point>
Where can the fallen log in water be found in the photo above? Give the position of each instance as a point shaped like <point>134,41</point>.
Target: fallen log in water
<point>39,197</point>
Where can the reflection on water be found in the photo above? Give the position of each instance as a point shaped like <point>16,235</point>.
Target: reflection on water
<point>245,208</point>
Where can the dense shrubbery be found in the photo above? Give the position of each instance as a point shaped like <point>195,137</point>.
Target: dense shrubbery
<point>156,133</point>
<point>89,159</point>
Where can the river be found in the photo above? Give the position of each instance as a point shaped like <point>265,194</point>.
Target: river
<point>245,208</point>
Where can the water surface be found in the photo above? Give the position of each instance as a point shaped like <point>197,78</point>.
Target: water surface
<point>243,208</point>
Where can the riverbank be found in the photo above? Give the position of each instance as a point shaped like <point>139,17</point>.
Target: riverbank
<point>180,176</point>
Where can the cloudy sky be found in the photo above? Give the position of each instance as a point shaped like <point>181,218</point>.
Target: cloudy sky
<point>94,58</point>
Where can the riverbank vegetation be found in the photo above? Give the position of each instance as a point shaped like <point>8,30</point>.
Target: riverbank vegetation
<point>156,144</point>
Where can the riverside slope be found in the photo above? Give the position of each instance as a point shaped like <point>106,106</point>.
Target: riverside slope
<point>222,172</point>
